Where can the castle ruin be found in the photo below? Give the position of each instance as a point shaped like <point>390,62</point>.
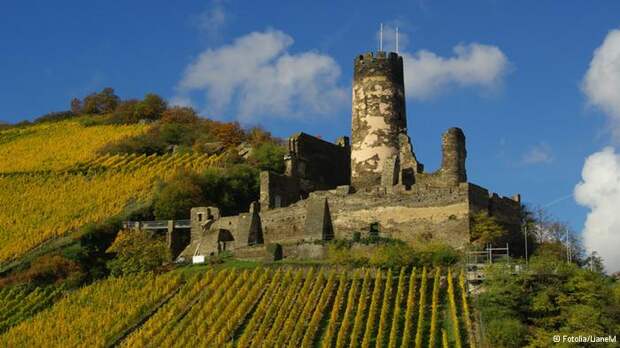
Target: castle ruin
<point>371,184</point>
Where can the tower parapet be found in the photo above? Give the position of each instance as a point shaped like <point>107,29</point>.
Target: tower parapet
<point>378,114</point>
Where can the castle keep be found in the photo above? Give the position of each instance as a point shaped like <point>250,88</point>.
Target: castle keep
<point>370,184</point>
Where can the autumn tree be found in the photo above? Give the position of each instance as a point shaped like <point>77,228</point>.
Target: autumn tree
<point>485,229</point>
<point>180,114</point>
<point>137,251</point>
<point>151,107</point>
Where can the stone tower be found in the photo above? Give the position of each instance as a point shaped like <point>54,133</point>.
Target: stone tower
<point>453,156</point>
<point>378,115</point>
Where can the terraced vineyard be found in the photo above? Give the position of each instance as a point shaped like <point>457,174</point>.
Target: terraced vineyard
<point>20,303</point>
<point>272,307</point>
<point>43,198</point>
<point>57,145</point>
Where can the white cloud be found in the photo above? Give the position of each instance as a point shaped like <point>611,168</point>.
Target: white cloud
<point>537,154</point>
<point>257,76</point>
<point>599,190</point>
<point>601,83</point>
<point>473,65</point>
<point>213,19</point>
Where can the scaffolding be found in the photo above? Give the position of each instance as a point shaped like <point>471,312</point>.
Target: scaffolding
<point>478,260</point>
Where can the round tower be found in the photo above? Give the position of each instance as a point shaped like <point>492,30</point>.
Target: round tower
<point>378,114</point>
<point>454,154</point>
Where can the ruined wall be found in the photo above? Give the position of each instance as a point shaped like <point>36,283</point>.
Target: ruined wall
<point>419,215</point>
<point>278,190</point>
<point>319,164</point>
<point>507,211</point>
<point>378,114</point>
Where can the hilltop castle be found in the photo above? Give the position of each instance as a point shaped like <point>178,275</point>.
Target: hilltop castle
<point>371,184</point>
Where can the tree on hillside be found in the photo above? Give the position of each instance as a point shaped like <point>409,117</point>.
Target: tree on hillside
<point>151,107</point>
<point>594,263</point>
<point>180,114</point>
<point>230,134</point>
<point>137,252</point>
<point>485,229</point>
<point>175,199</point>
<point>125,112</point>
<point>269,156</point>
<point>100,103</point>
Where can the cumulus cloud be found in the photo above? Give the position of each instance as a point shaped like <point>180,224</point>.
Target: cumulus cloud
<point>257,76</point>
<point>428,74</point>
<point>601,83</point>
<point>538,154</point>
<point>599,190</point>
<point>473,65</point>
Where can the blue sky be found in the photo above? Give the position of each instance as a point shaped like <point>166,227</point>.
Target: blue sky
<point>528,124</point>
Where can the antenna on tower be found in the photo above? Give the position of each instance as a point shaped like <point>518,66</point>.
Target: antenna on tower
<point>381,37</point>
<point>397,40</point>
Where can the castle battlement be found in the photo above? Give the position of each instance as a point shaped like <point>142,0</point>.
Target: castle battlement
<point>379,56</point>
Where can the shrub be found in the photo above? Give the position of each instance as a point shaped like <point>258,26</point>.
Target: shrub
<point>45,270</point>
<point>142,144</point>
<point>137,251</point>
<point>437,254</point>
<point>393,255</point>
<point>505,332</point>
<point>55,116</point>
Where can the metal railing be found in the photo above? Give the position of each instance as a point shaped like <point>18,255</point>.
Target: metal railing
<point>157,225</point>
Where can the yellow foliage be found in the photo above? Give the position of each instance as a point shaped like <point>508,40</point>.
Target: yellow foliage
<point>57,145</point>
<point>93,316</point>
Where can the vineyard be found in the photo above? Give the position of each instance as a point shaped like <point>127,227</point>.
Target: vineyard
<point>261,307</point>
<point>20,303</point>
<point>57,145</point>
<point>67,186</point>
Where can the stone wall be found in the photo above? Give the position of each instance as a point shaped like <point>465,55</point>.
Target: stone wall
<point>417,215</point>
<point>278,190</point>
<point>319,164</point>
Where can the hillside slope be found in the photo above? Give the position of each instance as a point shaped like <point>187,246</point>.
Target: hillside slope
<point>52,181</point>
